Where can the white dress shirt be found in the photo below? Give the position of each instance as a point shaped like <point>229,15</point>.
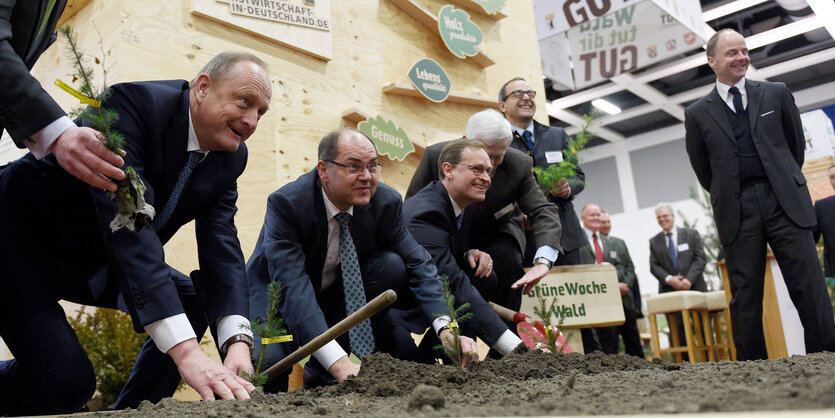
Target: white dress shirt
<point>725,94</point>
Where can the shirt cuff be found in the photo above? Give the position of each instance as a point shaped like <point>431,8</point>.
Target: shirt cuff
<point>329,354</point>
<point>40,141</point>
<point>668,278</point>
<point>439,323</point>
<point>231,325</point>
<point>548,252</point>
<point>170,331</point>
<point>507,343</point>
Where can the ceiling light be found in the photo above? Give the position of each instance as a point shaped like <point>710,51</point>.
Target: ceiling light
<point>605,106</point>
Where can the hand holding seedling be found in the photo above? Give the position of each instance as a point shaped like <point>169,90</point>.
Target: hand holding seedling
<point>469,349</point>
<point>561,189</point>
<point>81,152</point>
<point>238,359</point>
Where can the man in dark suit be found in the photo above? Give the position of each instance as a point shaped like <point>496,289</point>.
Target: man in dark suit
<point>28,113</point>
<point>324,272</point>
<point>437,220</point>
<point>602,250</point>
<point>622,252</point>
<point>745,142</point>
<point>57,244</point>
<point>825,214</point>
<point>497,221</point>
<point>676,258</point>
<point>545,145</point>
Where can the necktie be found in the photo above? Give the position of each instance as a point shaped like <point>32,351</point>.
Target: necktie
<point>737,101</point>
<point>459,219</point>
<point>671,247</point>
<point>162,218</point>
<point>49,6</point>
<point>528,140</point>
<point>361,337</point>
<point>598,250</point>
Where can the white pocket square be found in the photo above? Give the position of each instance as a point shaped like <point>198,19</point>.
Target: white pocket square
<point>767,113</point>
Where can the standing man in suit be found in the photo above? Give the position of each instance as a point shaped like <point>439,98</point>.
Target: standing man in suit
<point>623,254</point>
<point>334,239</point>
<point>602,250</point>
<point>545,145</point>
<point>28,113</point>
<point>745,142</point>
<point>437,219</point>
<point>825,214</point>
<point>496,226</point>
<point>185,140</point>
<point>676,258</point>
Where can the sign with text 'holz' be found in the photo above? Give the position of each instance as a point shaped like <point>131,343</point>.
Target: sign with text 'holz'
<point>390,139</point>
<point>586,296</point>
<point>430,79</point>
<point>304,25</point>
<point>461,36</point>
<point>584,42</point>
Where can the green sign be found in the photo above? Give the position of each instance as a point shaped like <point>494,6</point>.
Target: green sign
<point>460,35</point>
<point>491,6</point>
<point>430,79</point>
<point>390,139</point>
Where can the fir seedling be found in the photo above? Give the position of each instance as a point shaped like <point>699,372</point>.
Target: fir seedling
<point>130,192</point>
<point>567,168</point>
<point>270,331</point>
<point>544,311</point>
<point>456,317</point>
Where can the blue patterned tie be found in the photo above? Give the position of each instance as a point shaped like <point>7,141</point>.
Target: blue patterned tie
<point>362,339</point>
<point>163,217</point>
<point>671,247</point>
<point>737,101</point>
<point>528,140</point>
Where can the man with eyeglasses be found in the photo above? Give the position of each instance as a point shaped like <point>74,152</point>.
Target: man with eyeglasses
<point>496,226</point>
<point>545,145</point>
<point>334,239</point>
<point>437,219</point>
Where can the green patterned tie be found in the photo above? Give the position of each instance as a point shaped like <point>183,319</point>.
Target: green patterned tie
<point>361,336</point>
<point>50,5</point>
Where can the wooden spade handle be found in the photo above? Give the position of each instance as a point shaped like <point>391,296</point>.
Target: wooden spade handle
<point>377,304</point>
<point>507,314</point>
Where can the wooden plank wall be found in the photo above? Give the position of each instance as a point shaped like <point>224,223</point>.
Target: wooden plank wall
<point>375,44</point>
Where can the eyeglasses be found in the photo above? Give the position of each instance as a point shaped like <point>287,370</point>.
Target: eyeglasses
<point>521,93</point>
<point>353,169</point>
<point>479,170</point>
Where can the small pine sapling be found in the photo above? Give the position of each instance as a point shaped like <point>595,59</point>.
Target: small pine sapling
<point>130,192</point>
<point>567,168</point>
<point>270,331</point>
<point>456,317</point>
<point>544,311</point>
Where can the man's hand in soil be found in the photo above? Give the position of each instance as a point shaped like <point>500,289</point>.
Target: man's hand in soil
<point>81,153</point>
<point>480,261</point>
<point>238,359</point>
<point>468,347</point>
<point>531,278</point>
<point>343,368</point>
<point>207,376</point>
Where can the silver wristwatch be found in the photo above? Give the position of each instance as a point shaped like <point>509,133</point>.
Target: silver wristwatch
<point>542,260</point>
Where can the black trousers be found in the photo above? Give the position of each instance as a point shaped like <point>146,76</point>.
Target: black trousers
<point>762,221</point>
<point>628,331</point>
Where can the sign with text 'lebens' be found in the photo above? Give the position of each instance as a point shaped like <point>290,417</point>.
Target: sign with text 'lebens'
<point>461,36</point>
<point>303,25</point>
<point>430,79</point>
<point>586,296</point>
<point>390,139</point>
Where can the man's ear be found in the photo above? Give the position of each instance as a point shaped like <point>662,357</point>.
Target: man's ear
<point>711,62</point>
<point>502,107</point>
<point>202,86</point>
<point>447,167</point>
<point>322,169</point>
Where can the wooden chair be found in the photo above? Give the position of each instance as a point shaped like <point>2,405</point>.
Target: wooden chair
<point>691,304</point>
<point>720,342</point>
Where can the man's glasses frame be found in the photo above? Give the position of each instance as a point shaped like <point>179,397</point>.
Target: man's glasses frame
<point>354,169</point>
<point>479,170</point>
<point>521,93</point>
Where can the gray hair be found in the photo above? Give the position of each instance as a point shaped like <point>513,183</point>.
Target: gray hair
<point>664,205</point>
<point>502,93</point>
<point>221,65</point>
<point>329,144</point>
<point>489,126</point>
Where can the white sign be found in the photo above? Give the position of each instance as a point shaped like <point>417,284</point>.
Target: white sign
<point>820,139</point>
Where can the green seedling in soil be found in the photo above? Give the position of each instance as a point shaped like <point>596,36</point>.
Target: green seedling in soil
<point>456,317</point>
<point>544,311</point>
<point>567,168</point>
<point>272,328</point>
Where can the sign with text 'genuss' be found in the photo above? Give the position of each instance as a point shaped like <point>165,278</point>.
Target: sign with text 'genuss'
<point>304,25</point>
<point>586,296</point>
<point>390,139</point>
<point>461,36</point>
<point>584,42</point>
<point>430,79</point>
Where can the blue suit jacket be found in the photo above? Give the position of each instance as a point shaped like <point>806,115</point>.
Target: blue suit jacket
<point>292,246</point>
<point>154,122</point>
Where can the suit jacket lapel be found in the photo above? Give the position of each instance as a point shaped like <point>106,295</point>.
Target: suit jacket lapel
<point>755,95</point>
<point>716,108</point>
<point>176,148</point>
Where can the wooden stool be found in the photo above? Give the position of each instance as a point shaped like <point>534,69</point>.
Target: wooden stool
<point>690,304</point>
<point>721,340</point>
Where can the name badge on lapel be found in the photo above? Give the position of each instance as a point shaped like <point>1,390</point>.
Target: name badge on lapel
<point>553,157</point>
<point>683,247</point>
<point>503,211</point>
<point>613,255</point>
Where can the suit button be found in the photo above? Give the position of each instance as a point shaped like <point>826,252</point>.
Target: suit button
<point>736,174</point>
<point>736,194</point>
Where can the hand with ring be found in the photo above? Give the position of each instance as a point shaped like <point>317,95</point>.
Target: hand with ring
<point>481,262</point>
